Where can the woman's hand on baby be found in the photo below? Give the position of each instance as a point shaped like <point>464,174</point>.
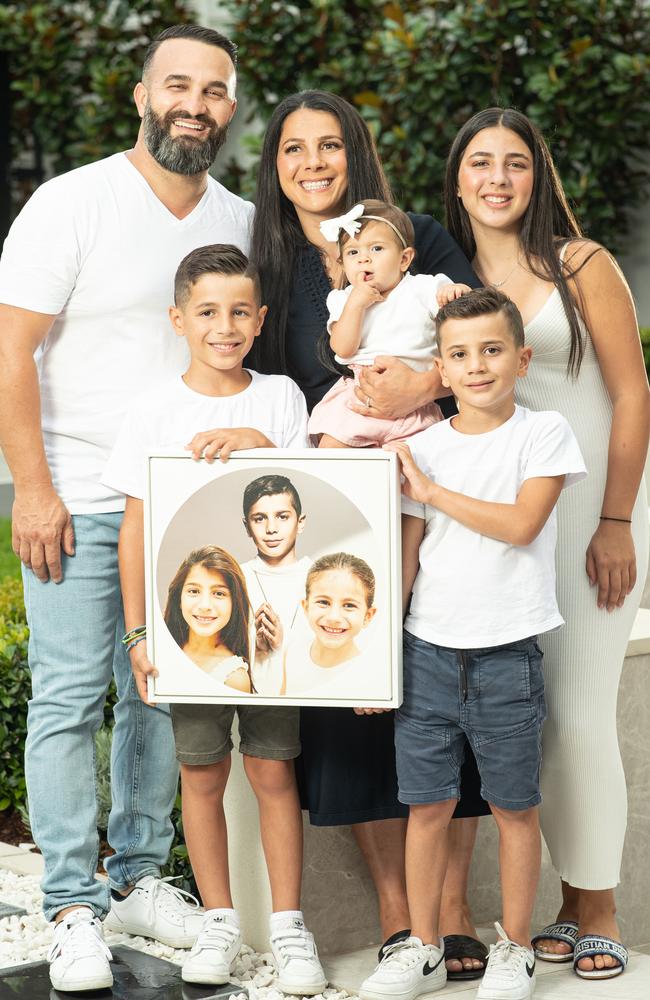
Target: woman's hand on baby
<point>393,389</point>
<point>416,485</point>
<point>268,630</point>
<point>221,442</point>
<point>611,563</point>
<point>142,668</point>
<point>447,293</point>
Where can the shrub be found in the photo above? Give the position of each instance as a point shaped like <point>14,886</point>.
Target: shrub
<point>15,689</point>
<point>417,70</point>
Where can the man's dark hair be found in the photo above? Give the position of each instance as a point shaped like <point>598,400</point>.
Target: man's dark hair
<point>193,32</point>
<point>483,302</point>
<point>218,258</point>
<point>270,486</point>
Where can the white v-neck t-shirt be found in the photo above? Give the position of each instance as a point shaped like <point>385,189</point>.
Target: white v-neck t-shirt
<point>98,250</point>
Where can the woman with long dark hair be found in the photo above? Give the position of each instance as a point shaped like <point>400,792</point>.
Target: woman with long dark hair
<point>506,207</point>
<point>318,160</point>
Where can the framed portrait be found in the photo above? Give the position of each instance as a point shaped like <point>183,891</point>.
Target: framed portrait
<point>274,578</point>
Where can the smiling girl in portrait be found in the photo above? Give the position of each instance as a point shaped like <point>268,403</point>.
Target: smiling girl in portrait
<point>338,605</point>
<point>383,310</point>
<point>208,615</point>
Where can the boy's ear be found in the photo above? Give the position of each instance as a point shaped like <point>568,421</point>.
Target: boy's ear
<point>407,259</point>
<point>176,319</point>
<point>301,524</point>
<point>370,614</point>
<point>441,368</point>
<point>524,361</point>
<point>245,523</point>
<point>261,315</point>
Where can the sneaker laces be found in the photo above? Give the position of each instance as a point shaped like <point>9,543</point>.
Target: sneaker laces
<point>82,938</point>
<point>402,955</point>
<point>294,942</point>
<point>170,898</point>
<point>504,951</point>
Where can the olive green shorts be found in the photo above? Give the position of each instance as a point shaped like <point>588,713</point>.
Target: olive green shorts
<point>203,732</point>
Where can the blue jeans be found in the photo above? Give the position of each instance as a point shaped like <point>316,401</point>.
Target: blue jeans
<point>74,648</point>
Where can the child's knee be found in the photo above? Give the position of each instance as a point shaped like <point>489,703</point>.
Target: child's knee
<point>519,817</point>
<point>432,813</point>
<point>206,779</point>
<point>270,777</point>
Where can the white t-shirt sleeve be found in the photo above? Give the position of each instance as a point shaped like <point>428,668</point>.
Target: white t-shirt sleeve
<point>295,426</point>
<point>409,506</point>
<point>555,451</point>
<point>427,287</point>
<point>335,304</point>
<point>41,258</point>
<point>125,469</point>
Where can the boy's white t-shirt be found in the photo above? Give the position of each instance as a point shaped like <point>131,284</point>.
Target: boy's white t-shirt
<point>172,414</point>
<point>401,326</point>
<point>284,589</point>
<point>98,250</point>
<point>472,591</point>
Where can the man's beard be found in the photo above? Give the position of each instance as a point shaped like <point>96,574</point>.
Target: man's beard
<point>181,155</point>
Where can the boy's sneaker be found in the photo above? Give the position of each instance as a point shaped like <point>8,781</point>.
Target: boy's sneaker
<point>294,951</point>
<point>408,969</point>
<point>79,957</point>
<point>213,954</point>
<point>510,971</point>
<point>156,909</point>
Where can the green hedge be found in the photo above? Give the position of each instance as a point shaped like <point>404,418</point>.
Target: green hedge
<point>417,70</point>
<point>15,689</point>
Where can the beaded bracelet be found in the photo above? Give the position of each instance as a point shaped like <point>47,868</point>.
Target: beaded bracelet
<point>623,520</point>
<point>134,633</point>
<point>134,642</point>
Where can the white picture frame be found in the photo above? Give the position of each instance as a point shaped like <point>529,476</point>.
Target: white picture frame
<point>350,504</point>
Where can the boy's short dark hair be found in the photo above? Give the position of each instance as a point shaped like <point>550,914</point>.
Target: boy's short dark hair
<point>218,258</point>
<point>270,486</point>
<point>483,302</point>
<point>193,32</point>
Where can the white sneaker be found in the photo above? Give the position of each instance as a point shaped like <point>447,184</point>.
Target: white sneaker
<point>294,951</point>
<point>156,909</point>
<point>408,969</point>
<point>79,957</point>
<point>510,971</point>
<point>214,952</point>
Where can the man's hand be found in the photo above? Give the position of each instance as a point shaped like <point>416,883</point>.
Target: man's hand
<point>41,527</point>
<point>223,441</point>
<point>142,668</point>
<point>269,633</point>
<point>390,389</point>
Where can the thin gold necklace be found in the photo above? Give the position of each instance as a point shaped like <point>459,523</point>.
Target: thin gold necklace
<point>500,284</point>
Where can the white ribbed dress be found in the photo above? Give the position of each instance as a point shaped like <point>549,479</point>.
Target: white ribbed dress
<point>584,808</point>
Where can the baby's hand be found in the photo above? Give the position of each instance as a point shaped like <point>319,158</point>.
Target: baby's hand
<point>224,440</point>
<point>447,293</point>
<point>364,293</point>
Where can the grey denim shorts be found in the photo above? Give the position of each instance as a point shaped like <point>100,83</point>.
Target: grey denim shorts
<point>494,697</point>
<point>202,733</point>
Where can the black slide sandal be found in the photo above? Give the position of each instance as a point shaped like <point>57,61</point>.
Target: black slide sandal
<point>460,946</point>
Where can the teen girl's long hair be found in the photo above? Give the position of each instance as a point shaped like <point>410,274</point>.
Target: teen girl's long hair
<point>277,233</point>
<point>234,635</point>
<point>547,223</point>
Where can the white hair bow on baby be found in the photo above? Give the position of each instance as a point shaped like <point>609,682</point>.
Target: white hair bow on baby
<point>331,228</point>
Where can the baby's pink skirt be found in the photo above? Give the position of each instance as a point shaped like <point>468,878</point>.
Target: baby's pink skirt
<point>333,416</point>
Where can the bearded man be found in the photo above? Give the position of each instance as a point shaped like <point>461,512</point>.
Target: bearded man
<point>86,278</point>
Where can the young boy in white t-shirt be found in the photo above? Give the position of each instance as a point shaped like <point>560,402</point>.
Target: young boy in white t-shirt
<point>218,312</point>
<point>478,554</point>
<point>275,578</point>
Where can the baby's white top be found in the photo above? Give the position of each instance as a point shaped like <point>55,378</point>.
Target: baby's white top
<point>402,326</point>
<point>473,591</point>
